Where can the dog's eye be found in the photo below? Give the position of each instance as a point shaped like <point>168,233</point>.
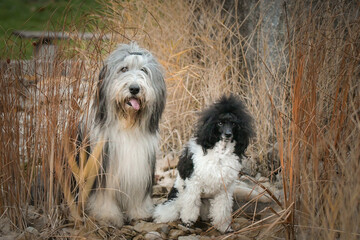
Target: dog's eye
<point>220,123</point>
<point>123,69</point>
<point>144,70</point>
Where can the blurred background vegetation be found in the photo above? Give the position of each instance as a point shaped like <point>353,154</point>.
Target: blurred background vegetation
<point>39,15</point>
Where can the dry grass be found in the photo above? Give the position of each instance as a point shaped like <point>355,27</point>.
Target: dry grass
<point>302,89</point>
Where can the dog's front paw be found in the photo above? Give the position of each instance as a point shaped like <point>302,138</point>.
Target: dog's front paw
<point>187,224</point>
<point>225,228</point>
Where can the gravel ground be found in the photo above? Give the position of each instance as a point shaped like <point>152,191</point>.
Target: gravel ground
<point>246,212</point>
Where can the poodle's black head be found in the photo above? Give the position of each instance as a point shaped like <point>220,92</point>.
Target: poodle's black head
<point>225,120</point>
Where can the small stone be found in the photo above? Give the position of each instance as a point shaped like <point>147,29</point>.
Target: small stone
<point>139,237</point>
<point>188,238</point>
<point>164,229</point>
<point>175,233</point>
<point>145,227</point>
<point>127,231</point>
<point>152,236</point>
<point>174,224</point>
<point>32,230</point>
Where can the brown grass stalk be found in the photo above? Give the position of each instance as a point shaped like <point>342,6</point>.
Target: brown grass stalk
<point>299,79</point>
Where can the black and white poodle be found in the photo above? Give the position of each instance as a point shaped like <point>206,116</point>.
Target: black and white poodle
<point>209,165</point>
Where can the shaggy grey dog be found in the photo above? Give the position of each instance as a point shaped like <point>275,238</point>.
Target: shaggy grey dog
<point>125,114</point>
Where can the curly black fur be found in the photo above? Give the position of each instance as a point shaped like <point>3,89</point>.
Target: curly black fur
<point>186,164</point>
<point>231,108</point>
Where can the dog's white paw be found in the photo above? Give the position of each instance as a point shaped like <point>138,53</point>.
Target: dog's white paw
<point>224,228</point>
<point>188,224</point>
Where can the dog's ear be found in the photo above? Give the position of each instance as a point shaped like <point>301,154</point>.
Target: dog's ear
<point>160,96</point>
<point>242,139</point>
<point>206,135</point>
<point>243,135</point>
<point>102,73</point>
<point>100,98</point>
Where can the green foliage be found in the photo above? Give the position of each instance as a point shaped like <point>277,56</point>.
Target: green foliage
<point>38,15</point>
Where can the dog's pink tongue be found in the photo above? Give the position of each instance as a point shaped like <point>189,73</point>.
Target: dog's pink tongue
<point>135,103</point>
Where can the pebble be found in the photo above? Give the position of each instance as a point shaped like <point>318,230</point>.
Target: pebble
<point>139,237</point>
<point>176,233</point>
<point>144,227</point>
<point>127,231</point>
<point>188,238</point>
<point>152,236</point>
<point>32,230</point>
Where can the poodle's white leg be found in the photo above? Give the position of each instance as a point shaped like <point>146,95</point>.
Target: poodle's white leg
<point>190,203</point>
<point>221,209</point>
<point>166,212</point>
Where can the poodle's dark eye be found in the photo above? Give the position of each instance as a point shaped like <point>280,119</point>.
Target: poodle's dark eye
<point>123,69</point>
<point>233,123</point>
<point>220,124</point>
<point>144,70</point>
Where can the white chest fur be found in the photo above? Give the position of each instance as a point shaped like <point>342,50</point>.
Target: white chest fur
<point>131,153</point>
<point>216,169</point>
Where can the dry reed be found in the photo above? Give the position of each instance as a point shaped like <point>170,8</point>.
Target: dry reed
<point>305,99</point>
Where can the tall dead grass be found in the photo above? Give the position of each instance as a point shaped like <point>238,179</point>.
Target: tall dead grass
<point>321,154</point>
<point>300,83</point>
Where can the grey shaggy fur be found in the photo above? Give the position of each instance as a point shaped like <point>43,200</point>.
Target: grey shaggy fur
<point>124,113</point>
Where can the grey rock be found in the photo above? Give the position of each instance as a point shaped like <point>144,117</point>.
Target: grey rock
<point>176,233</point>
<point>32,230</point>
<point>152,236</point>
<point>139,237</point>
<point>146,227</point>
<point>127,231</point>
<point>164,229</point>
<point>188,238</point>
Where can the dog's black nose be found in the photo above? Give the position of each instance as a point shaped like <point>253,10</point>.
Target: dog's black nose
<point>228,135</point>
<point>134,89</point>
